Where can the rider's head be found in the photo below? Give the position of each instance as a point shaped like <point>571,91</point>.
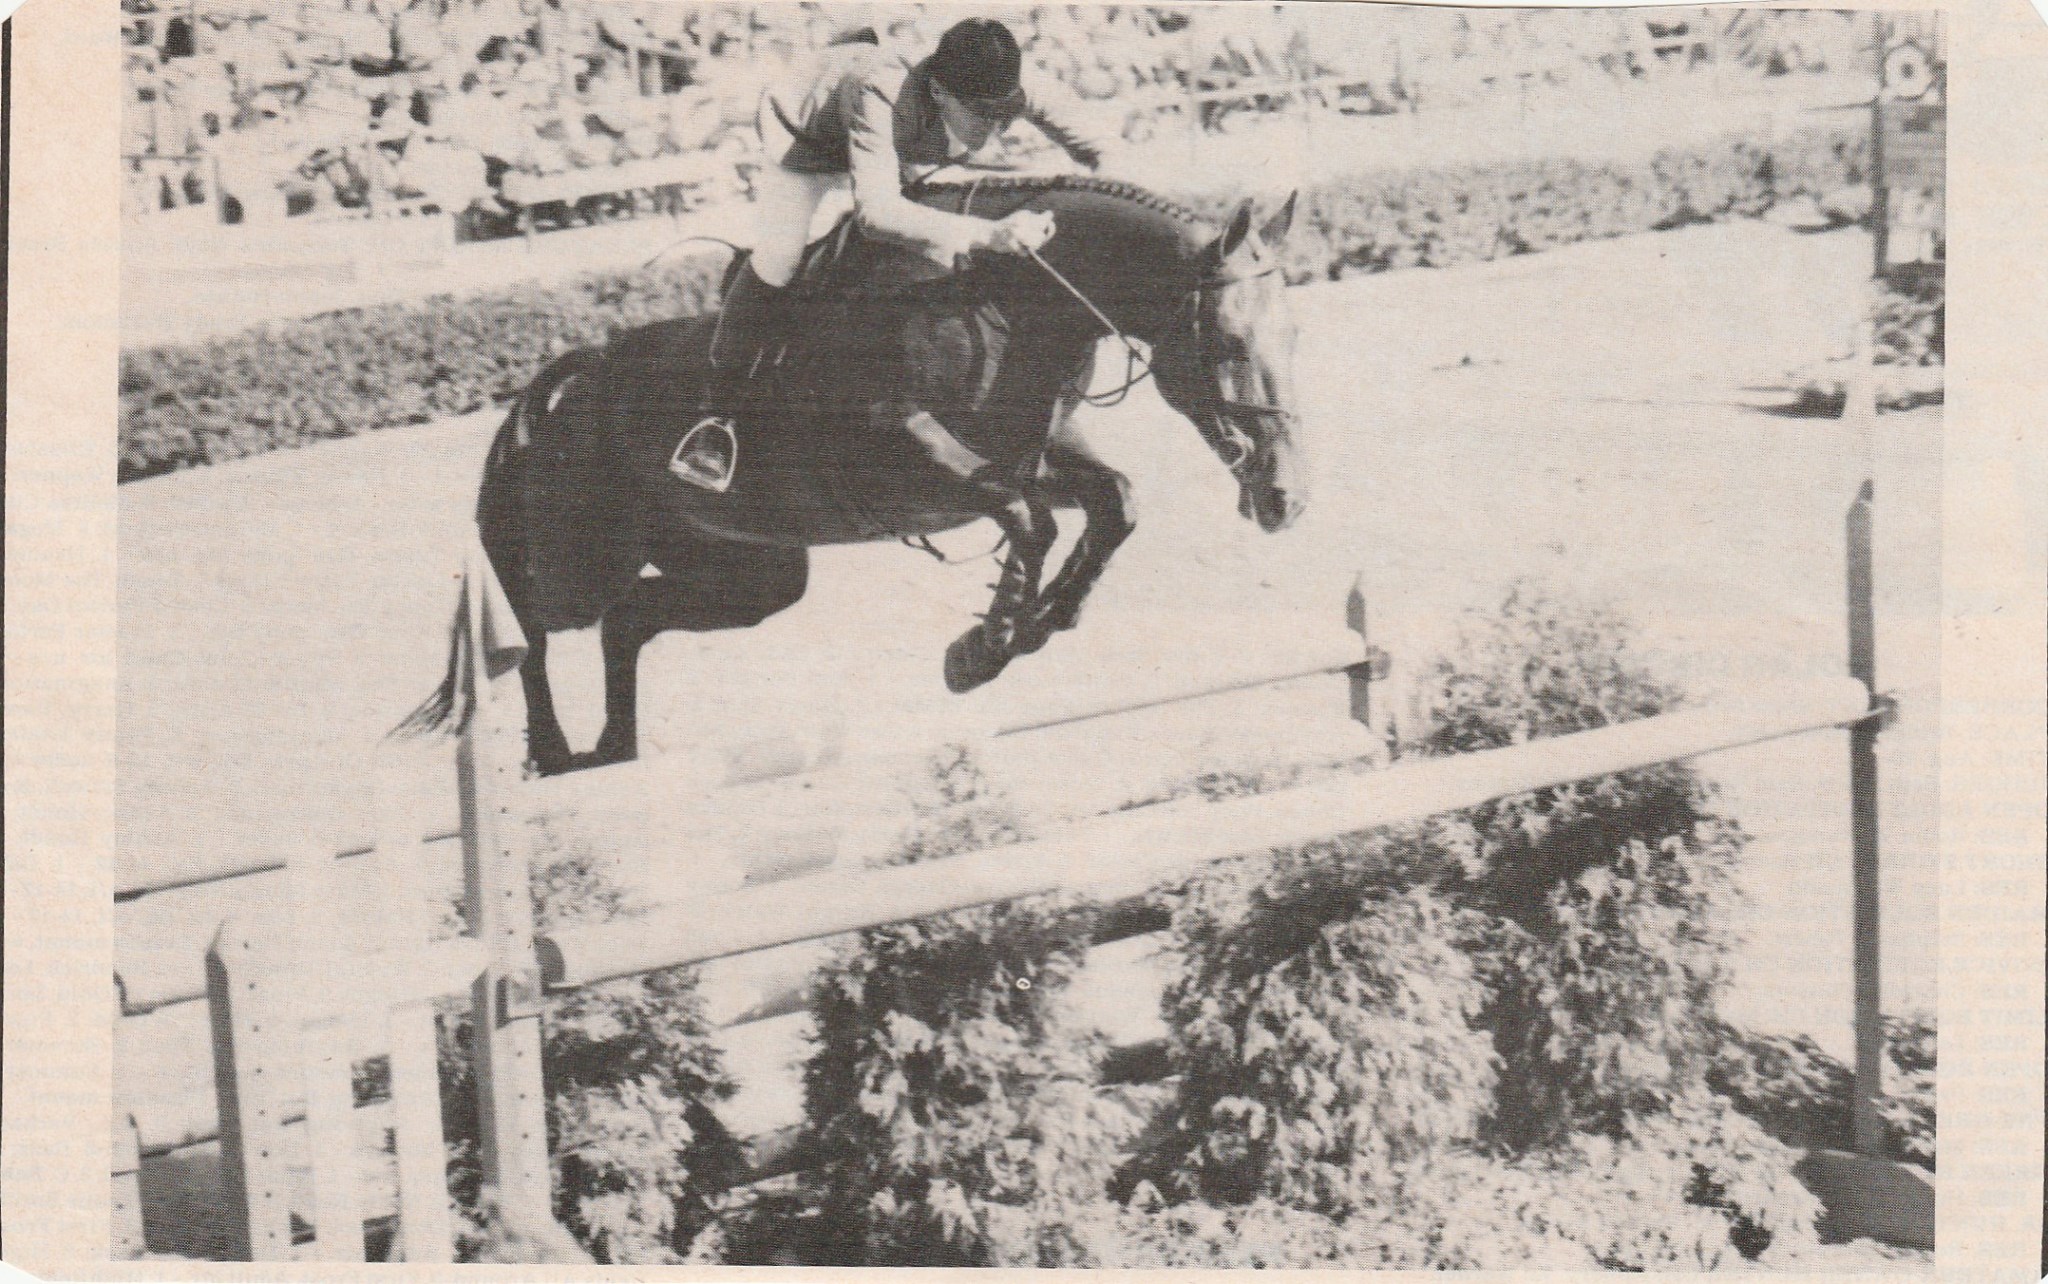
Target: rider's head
<point>975,79</point>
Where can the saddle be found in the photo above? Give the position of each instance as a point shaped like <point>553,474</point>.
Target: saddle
<point>868,321</point>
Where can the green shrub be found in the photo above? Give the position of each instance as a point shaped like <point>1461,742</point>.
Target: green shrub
<point>1908,1105</point>
<point>1911,322</point>
<point>339,374</point>
<point>1524,992</point>
<point>1318,1060</point>
<point>1804,1097</point>
<point>1667,1195</point>
<point>951,1104</point>
<point>1795,1091</point>
<point>631,1074</point>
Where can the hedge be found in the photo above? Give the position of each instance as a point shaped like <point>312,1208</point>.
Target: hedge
<point>1910,322</point>
<point>342,373</point>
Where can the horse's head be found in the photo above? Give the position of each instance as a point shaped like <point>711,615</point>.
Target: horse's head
<point>1228,365</point>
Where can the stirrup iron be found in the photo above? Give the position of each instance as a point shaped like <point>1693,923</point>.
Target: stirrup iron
<point>708,455</point>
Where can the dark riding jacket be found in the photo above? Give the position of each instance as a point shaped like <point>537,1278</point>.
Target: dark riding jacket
<point>863,112</point>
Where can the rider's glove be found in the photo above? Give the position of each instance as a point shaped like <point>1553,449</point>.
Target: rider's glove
<point>1021,233</point>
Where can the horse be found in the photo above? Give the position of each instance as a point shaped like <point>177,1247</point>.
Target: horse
<point>918,402</point>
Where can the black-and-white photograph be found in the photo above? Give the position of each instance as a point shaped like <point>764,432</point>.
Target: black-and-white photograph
<point>1223,635</point>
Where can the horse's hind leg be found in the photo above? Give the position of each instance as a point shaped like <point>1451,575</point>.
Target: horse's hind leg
<point>502,528</point>
<point>626,629</point>
<point>703,587</point>
<point>547,745</point>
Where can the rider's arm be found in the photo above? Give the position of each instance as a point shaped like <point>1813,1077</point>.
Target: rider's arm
<point>867,103</point>
<point>1062,117</point>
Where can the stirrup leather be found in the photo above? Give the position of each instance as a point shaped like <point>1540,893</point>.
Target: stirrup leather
<point>708,455</point>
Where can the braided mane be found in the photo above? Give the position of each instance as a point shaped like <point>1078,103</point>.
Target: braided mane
<point>1032,184</point>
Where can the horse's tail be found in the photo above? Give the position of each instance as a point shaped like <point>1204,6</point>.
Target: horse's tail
<point>485,640</point>
<point>448,711</point>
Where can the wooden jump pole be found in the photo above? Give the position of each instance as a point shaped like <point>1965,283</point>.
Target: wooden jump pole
<point>1129,851</point>
<point>426,1232</point>
<point>251,1063</point>
<point>1859,410</point>
<point>322,1013</point>
<point>505,1000</point>
<point>126,1240</point>
<point>1868,916</point>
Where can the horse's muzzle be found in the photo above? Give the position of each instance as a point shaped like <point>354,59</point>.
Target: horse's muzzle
<point>1273,507</point>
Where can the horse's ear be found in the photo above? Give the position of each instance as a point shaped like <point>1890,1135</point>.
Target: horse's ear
<point>1234,235</point>
<point>1276,228</point>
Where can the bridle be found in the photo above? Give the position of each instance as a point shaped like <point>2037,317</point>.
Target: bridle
<point>1224,437</point>
<point>1138,368</point>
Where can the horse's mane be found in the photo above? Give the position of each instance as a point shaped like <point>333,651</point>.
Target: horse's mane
<point>1116,188</point>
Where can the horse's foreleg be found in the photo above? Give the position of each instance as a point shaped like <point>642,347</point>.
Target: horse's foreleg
<point>1028,525</point>
<point>1004,633</point>
<point>984,651</point>
<point>1076,475</point>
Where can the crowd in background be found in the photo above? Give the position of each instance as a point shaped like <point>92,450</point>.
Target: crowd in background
<point>258,110</point>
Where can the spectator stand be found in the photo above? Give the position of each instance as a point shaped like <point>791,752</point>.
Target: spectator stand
<point>643,134</point>
<point>513,115</point>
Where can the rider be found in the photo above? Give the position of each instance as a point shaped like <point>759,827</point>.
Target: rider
<point>861,117</point>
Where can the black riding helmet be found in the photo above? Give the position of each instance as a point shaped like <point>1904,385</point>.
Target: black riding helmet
<point>978,62</point>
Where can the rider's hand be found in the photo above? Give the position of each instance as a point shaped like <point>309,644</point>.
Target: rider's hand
<point>1022,232</point>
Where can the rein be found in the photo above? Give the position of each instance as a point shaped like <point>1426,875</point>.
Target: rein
<point>1133,375</point>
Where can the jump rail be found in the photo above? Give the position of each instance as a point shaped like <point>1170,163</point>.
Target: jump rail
<point>748,763</point>
<point>1126,852</point>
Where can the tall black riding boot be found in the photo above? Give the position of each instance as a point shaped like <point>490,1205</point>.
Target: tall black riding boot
<point>748,340</point>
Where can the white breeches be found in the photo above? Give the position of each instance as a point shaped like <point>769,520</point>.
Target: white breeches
<point>787,205</point>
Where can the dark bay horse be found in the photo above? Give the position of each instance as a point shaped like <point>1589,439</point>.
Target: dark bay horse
<point>913,405</point>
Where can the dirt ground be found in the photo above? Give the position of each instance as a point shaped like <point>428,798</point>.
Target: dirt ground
<point>1581,415</point>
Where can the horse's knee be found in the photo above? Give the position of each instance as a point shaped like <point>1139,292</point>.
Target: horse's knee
<point>1119,514</point>
<point>1031,528</point>
<point>1027,523</point>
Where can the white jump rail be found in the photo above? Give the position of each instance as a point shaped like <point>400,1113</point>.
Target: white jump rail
<point>1124,853</point>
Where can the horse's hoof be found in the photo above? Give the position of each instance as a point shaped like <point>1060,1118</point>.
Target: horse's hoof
<point>1031,636</point>
<point>972,661</point>
<point>552,762</point>
<point>609,750</point>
